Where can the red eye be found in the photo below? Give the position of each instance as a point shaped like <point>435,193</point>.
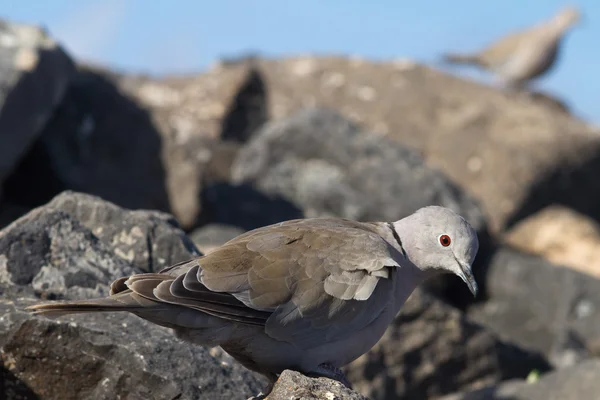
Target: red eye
<point>445,240</point>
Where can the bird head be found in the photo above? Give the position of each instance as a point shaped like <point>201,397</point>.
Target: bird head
<point>436,239</point>
<point>567,17</point>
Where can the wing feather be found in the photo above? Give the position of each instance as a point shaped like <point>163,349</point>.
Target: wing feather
<point>305,281</point>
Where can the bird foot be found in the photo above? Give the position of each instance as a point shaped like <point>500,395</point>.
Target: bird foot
<point>331,372</point>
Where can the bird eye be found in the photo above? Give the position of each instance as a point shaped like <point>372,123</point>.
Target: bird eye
<point>445,240</point>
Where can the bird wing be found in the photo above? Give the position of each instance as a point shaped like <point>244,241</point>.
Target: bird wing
<point>306,281</point>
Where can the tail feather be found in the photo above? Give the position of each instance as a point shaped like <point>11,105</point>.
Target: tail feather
<point>461,59</point>
<point>58,309</point>
<point>124,301</point>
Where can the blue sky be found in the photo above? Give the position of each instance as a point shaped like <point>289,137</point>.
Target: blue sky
<point>159,36</point>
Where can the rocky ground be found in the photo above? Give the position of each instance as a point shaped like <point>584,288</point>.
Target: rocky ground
<point>104,174</point>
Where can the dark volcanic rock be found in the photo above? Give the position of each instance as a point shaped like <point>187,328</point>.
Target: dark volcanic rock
<point>73,248</point>
<point>34,75</point>
<point>245,206</point>
<point>432,349</point>
<point>98,141</point>
<point>541,306</point>
<point>78,244</point>
<point>109,356</point>
<point>581,382</point>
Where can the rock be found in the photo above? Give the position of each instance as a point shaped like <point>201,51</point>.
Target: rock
<point>244,206</point>
<point>462,128</point>
<point>294,385</point>
<point>432,349</point>
<point>327,166</point>
<point>34,75</point>
<point>137,152</point>
<point>560,235</point>
<point>581,382</point>
<point>78,244</point>
<point>108,356</point>
<point>541,307</point>
<point>98,142</point>
<point>467,130</point>
<point>73,248</point>
<point>211,236</point>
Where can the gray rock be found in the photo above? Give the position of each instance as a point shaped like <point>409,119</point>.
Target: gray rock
<point>541,306</point>
<point>150,240</point>
<point>73,248</point>
<point>329,167</point>
<point>294,385</point>
<point>109,356</point>
<point>34,75</point>
<point>78,244</point>
<point>581,382</point>
<point>245,206</point>
<point>432,349</point>
<point>98,141</point>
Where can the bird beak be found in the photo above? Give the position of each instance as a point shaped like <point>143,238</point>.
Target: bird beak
<point>467,276</point>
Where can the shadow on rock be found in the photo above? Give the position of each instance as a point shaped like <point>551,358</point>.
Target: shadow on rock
<point>551,101</point>
<point>99,142</point>
<point>12,388</point>
<point>248,110</point>
<point>574,186</point>
<point>432,349</point>
<point>244,206</point>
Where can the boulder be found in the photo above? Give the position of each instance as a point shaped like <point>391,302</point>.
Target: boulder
<point>542,307</point>
<point>73,248</point>
<point>102,142</point>
<point>108,356</point>
<point>562,236</point>
<point>77,244</point>
<point>328,166</point>
<point>581,382</point>
<point>515,153</point>
<point>34,75</point>
<point>432,349</point>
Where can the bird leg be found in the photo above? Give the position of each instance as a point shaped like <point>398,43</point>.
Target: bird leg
<point>331,372</point>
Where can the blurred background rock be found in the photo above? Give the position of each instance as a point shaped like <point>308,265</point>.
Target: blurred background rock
<point>232,115</point>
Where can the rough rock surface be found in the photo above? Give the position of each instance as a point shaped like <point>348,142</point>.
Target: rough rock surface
<point>34,75</point>
<point>581,382</point>
<point>59,251</point>
<point>432,349</point>
<point>78,244</point>
<point>541,306</point>
<point>293,385</point>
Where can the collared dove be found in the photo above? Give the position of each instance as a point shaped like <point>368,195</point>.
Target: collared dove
<point>309,295</point>
<point>524,55</point>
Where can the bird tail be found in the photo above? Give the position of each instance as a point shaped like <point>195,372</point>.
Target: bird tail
<point>461,59</point>
<point>107,304</point>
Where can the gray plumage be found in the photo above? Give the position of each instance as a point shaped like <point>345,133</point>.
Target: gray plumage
<point>524,55</point>
<point>310,294</point>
